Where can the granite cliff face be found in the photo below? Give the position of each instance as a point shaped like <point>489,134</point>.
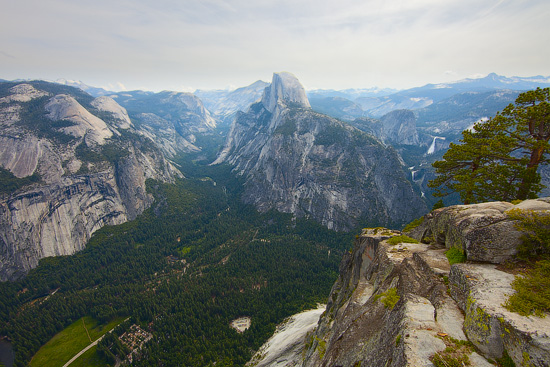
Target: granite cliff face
<point>302,162</point>
<point>396,127</point>
<point>90,171</point>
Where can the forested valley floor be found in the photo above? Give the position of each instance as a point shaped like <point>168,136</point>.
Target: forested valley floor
<point>194,261</point>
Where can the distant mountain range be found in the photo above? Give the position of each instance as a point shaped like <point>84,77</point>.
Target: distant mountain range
<point>415,98</point>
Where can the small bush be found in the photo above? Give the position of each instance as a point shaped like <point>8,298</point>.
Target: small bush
<point>438,205</point>
<point>505,360</point>
<point>321,347</point>
<point>536,226</point>
<point>397,340</point>
<point>532,291</point>
<point>455,255</point>
<point>388,298</point>
<point>456,353</point>
<point>443,360</point>
<point>401,239</point>
<point>412,225</point>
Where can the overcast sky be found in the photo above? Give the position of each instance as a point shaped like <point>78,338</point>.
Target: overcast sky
<point>207,44</point>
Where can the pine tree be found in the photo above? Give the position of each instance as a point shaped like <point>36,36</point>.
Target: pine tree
<point>498,159</point>
<point>531,118</point>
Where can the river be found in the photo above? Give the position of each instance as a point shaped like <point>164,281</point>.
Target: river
<point>6,353</point>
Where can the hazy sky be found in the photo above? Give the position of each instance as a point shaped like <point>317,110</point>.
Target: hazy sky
<point>188,44</point>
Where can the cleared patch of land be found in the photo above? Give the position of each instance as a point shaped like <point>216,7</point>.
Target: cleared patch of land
<point>67,343</point>
<point>241,324</point>
<point>89,359</point>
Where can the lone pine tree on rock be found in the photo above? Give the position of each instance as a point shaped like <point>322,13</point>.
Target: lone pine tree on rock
<point>499,159</point>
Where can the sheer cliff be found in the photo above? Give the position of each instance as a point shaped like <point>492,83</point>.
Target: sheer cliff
<point>88,167</point>
<point>302,162</point>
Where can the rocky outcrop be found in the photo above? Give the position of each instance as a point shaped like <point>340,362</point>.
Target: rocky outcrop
<point>285,347</point>
<point>401,304</point>
<point>20,155</point>
<point>308,164</point>
<point>23,93</point>
<point>359,329</point>
<point>284,89</point>
<point>88,176</point>
<point>485,232</point>
<point>481,291</point>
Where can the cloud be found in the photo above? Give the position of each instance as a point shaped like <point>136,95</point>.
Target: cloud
<point>326,43</point>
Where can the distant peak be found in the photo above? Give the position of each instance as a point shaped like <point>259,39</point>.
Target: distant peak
<point>284,88</point>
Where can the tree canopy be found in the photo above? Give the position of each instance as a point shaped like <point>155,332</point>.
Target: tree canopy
<point>499,159</point>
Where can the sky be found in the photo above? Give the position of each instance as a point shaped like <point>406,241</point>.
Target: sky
<point>185,45</point>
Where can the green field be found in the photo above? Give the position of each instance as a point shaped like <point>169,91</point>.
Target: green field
<point>89,359</point>
<point>67,343</point>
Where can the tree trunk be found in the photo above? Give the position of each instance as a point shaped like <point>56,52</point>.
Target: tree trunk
<point>530,173</point>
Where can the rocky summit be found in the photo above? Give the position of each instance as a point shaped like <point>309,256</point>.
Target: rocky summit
<point>298,161</point>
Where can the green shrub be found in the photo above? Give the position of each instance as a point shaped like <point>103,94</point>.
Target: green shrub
<point>536,240</point>
<point>388,298</point>
<point>412,225</point>
<point>438,205</point>
<point>401,239</point>
<point>532,291</point>
<point>455,354</point>
<point>443,360</point>
<point>321,347</point>
<point>397,340</point>
<point>455,255</point>
<point>505,360</point>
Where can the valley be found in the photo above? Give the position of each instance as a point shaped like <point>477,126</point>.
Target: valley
<point>128,271</point>
<point>182,212</point>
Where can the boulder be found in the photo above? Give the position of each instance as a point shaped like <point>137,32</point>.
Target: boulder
<point>480,291</point>
<point>485,232</point>
<point>358,329</point>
